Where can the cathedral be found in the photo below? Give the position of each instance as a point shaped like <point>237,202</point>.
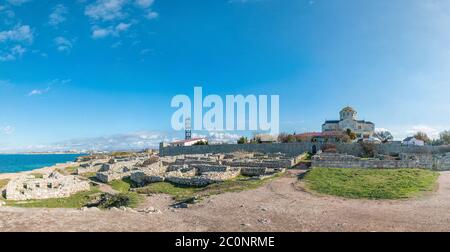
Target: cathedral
<point>348,121</point>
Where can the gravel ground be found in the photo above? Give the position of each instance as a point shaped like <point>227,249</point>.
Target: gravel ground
<point>277,206</point>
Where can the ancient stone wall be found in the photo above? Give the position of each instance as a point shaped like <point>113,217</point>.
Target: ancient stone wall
<point>53,185</point>
<point>291,149</point>
<point>330,160</point>
<point>295,149</point>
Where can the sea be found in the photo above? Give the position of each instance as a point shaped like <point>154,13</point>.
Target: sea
<point>10,163</point>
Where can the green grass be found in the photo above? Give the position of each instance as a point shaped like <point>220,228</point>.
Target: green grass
<point>135,199</point>
<point>89,175</point>
<point>77,200</point>
<point>180,193</point>
<point>123,186</point>
<point>308,157</point>
<point>371,183</point>
<point>68,170</point>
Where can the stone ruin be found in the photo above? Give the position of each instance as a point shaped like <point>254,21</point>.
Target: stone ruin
<point>193,170</point>
<point>53,185</point>
<point>403,160</point>
<point>204,169</point>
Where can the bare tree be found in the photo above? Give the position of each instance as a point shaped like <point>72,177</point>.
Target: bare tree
<point>384,136</point>
<point>445,137</point>
<point>422,136</point>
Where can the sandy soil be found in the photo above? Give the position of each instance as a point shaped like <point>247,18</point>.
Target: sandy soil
<point>277,206</point>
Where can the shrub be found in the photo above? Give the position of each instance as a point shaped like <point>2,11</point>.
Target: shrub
<point>369,149</point>
<point>286,138</point>
<point>114,200</point>
<point>329,148</point>
<point>201,143</point>
<point>242,140</point>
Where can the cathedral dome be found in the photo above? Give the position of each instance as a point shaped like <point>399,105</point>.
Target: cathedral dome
<point>348,113</point>
<point>348,109</point>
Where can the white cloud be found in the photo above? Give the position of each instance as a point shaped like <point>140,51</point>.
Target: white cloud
<point>144,3</point>
<point>152,15</point>
<point>50,85</point>
<point>431,131</point>
<point>98,32</point>
<point>130,141</point>
<point>400,132</point>
<point>20,33</point>
<point>38,91</point>
<point>18,2</point>
<point>122,27</point>
<point>107,16</point>
<point>381,129</point>
<point>7,130</point>
<point>101,33</point>
<point>14,41</point>
<point>15,52</point>
<point>106,10</point>
<point>63,44</point>
<point>58,15</point>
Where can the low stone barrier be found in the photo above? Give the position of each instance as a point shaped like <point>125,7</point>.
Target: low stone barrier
<point>332,160</point>
<point>281,163</point>
<point>53,185</point>
<point>254,171</point>
<point>142,178</point>
<point>210,168</point>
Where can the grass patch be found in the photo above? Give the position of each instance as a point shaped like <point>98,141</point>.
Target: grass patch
<point>77,200</point>
<point>37,175</point>
<point>122,154</point>
<point>134,199</point>
<point>123,186</point>
<point>181,194</point>
<point>89,175</point>
<point>177,192</point>
<point>71,170</point>
<point>371,183</point>
<point>3,183</point>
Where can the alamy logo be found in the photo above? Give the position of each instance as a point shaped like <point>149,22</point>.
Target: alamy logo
<point>235,116</point>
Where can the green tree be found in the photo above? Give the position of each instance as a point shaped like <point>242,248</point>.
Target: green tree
<point>242,140</point>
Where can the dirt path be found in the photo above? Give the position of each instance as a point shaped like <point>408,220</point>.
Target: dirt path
<point>278,206</point>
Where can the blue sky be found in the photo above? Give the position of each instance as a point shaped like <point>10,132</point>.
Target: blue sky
<point>76,73</point>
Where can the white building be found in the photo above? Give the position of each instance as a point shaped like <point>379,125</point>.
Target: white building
<point>189,142</point>
<point>413,141</point>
